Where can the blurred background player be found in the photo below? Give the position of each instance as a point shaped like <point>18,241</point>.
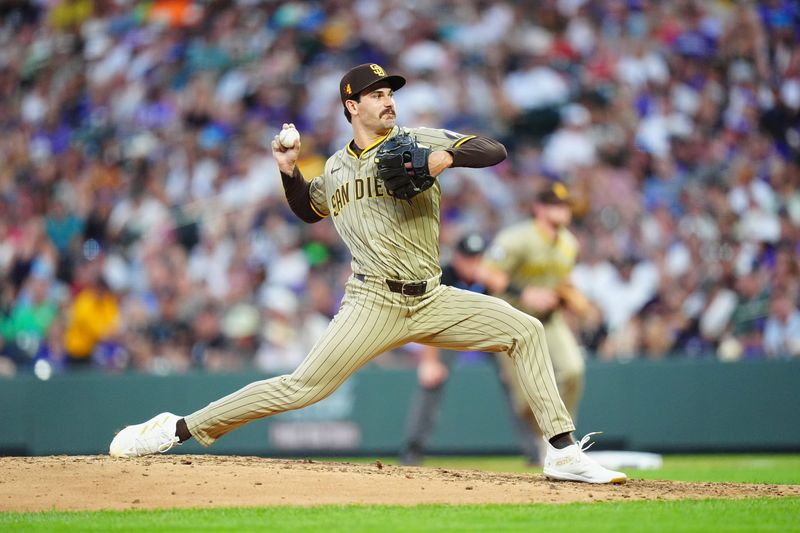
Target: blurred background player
<point>529,264</point>
<point>434,364</point>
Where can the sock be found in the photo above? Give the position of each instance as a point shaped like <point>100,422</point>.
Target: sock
<point>182,431</point>
<point>562,440</point>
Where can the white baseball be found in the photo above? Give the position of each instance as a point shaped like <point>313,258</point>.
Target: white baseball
<point>288,137</point>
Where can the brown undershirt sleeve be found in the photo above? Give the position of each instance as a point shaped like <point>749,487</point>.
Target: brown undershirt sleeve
<point>298,195</point>
<point>478,152</point>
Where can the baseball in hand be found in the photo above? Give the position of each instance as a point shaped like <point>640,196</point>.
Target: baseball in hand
<point>288,137</point>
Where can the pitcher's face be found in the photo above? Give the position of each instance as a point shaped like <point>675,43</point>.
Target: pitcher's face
<point>376,110</point>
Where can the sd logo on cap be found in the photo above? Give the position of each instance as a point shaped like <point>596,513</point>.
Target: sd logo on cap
<point>360,78</point>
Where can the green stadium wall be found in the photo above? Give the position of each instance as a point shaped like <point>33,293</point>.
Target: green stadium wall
<point>669,406</point>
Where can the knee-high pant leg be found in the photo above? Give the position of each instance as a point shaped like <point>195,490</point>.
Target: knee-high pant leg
<point>368,323</point>
<point>568,364</point>
<point>568,367</point>
<point>462,320</point>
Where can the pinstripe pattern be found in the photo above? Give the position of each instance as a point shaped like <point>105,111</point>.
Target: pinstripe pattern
<point>370,322</point>
<point>390,238</point>
<point>465,320</point>
<point>393,239</point>
<point>529,258</point>
<point>373,320</point>
<point>568,364</point>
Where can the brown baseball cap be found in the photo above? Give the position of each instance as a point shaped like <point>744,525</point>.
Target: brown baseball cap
<point>363,76</point>
<point>554,194</point>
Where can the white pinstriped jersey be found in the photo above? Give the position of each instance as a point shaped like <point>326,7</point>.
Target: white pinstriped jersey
<point>387,237</point>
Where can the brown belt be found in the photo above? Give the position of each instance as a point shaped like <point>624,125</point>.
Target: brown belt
<point>407,288</point>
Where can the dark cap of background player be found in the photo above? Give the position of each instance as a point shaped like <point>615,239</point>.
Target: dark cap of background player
<point>554,194</point>
<point>362,77</point>
<point>471,244</point>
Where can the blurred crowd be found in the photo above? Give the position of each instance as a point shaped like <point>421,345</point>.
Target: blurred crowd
<point>142,220</point>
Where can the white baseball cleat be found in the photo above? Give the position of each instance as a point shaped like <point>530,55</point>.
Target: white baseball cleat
<point>157,435</point>
<point>571,464</point>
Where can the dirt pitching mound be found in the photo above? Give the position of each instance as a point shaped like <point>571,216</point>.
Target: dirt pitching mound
<point>101,482</point>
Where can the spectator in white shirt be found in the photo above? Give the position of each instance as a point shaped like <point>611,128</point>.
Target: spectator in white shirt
<point>782,330</point>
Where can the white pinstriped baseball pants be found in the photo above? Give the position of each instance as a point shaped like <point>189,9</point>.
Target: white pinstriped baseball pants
<point>372,320</point>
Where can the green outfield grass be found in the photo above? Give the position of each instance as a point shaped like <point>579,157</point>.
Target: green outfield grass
<point>672,517</point>
<point>753,515</point>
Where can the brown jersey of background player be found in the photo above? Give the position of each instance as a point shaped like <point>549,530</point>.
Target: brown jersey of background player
<point>394,295</point>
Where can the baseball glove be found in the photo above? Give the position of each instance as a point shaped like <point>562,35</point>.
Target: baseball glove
<point>573,299</point>
<point>401,180</point>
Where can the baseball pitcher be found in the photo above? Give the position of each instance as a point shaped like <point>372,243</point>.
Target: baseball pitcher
<point>382,194</point>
